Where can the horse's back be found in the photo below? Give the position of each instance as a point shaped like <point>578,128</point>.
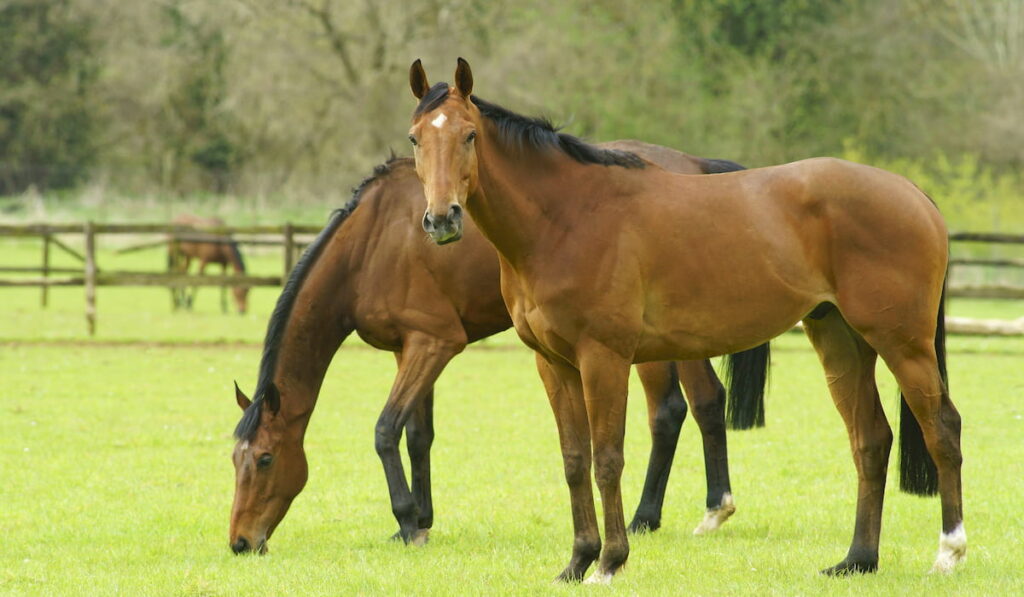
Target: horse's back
<point>211,252</point>
<point>198,221</point>
<point>664,157</point>
<point>775,242</point>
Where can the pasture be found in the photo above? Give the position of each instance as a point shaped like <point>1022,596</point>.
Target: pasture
<point>118,480</point>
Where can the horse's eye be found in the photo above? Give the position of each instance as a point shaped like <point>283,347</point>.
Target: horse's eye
<point>470,137</point>
<point>264,461</point>
<point>412,140</point>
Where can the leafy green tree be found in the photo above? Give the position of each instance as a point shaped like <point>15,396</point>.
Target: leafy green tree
<point>47,118</point>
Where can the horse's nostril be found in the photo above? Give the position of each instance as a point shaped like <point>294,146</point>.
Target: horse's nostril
<point>428,222</point>
<point>241,545</point>
<point>455,212</point>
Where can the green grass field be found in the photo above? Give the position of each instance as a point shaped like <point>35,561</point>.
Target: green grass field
<point>118,478</point>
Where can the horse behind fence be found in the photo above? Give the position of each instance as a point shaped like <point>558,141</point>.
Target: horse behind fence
<point>207,248</point>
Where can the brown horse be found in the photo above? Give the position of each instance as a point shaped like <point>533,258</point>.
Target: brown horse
<point>372,271</point>
<point>607,260</point>
<point>219,249</point>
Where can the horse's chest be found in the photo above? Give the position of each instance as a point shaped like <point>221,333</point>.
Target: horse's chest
<point>539,327</point>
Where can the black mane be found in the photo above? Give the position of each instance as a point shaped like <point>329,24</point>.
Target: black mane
<point>714,166</point>
<point>250,422</point>
<point>538,133</point>
<point>233,247</point>
<point>534,133</point>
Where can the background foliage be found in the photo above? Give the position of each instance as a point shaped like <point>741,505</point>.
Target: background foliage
<point>298,98</point>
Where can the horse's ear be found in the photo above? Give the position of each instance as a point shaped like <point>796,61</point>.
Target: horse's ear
<point>464,78</point>
<point>418,79</point>
<point>241,398</point>
<point>272,398</point>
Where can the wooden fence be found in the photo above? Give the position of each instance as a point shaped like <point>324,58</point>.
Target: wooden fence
<point>90,275</point>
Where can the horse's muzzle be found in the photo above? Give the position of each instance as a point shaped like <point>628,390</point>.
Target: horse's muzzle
<point>242,545</point>
<point>444,229</point>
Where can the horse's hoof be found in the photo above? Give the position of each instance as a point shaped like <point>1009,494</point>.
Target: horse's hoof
<point>639,527</point>
<point>716,517</point>
<point>568,576</point>
<point>599,578</point>
<point>952,550</point>
<point>846,568</point>
<point>420,538</point>
<point>417,538</point>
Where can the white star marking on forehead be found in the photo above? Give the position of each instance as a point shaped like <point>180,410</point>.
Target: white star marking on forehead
<point>439,121</point>
<point>244,446</point>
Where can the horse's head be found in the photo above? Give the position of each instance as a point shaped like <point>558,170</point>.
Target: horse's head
<point>270,470</point>
<point>444,128</point>
<point>241,296</point>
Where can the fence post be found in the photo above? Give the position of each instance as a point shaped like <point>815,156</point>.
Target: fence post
<point>90,277</point>
<point>45,295</point>
<point>289,249</point>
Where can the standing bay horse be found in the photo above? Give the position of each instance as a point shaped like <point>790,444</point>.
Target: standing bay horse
<point>219,249</point>
<point>607,260</point>
<point>372,271</point>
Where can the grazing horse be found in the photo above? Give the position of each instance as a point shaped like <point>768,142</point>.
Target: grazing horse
<point>607,261</point>
<point>218,249</point>
<point>372,271</point>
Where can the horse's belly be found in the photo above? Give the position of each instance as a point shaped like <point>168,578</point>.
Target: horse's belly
<point>699,329</point>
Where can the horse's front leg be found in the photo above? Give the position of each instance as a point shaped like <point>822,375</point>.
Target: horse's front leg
<point>422,359</point>
<point>419,436</point>
<point>224,291</point>
<point>565,392</point>
<point>605,377</point>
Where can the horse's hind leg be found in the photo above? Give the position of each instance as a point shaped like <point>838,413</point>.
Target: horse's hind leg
<point>707,402</point>
<point>915,366</point>
<point>666,411</point>
<point>849,364</point>
<point>195,289</point>
<point>419,436</point>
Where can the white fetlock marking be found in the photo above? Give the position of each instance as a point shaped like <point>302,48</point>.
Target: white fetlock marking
<point>716,517</point>
<point>952,550</point>
<point>599,578</point>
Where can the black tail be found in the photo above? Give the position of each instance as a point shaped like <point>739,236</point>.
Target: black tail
<point>918,474</point>
<point>747,375</point>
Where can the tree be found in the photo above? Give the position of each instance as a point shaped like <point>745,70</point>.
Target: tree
<point>47,118</point>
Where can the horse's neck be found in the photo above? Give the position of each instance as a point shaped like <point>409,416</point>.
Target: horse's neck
<point>320,319</point>
<point>234,259</point>
<point>517,199</point>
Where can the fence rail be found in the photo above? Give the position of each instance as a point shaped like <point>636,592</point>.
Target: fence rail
<point>90,275</point>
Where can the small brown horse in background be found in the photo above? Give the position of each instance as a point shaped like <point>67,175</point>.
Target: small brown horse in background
<point>372,271</point>
<point>607,261</point>
<point>219,249</point>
